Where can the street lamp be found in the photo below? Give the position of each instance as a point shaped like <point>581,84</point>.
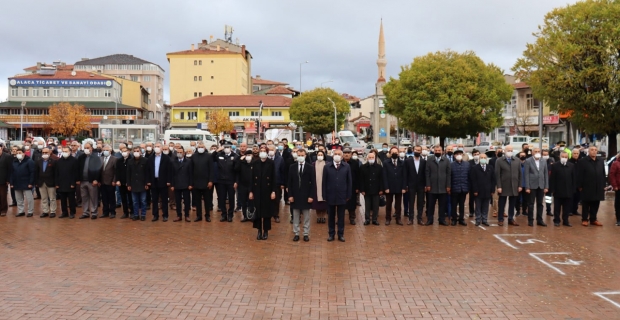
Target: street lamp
<point>300,74</point>
<point>21,124</point>
<point>335,119</point>
<point>326,82</point>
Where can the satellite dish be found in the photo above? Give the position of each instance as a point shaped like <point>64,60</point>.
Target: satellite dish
<point>73,73</point>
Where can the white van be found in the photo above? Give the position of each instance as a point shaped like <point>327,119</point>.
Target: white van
<point>517,141</point>
<point>184,137</point>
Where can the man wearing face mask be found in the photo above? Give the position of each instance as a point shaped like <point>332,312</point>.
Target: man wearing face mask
<point>472,163</point>
<point>591,183</point>
<point>281,174</point>
<point>508,176</point>
<point>562,185</point>
<point>384,153</point>
<point>402,156</point>
<point>438,184</point>
<point>302,193</point>
<point>90,175</point>
<point>225,160</point>
<point>337,185</point>
<point>415,169</point>
<point>35,154</point>
<point>459,187</point>
<point>66,179</point>
<point>22,180</point>
<point>244,181</point>
<point>263,193</point>
<point>203,182</point>
<point>182,183</point>
<point>371,187</point>
<point>395,185</point>
<point>523,198</point>
<point>121,182</point>
<point>526,149</point>
<point>108,183</point>
<point>149,150</point>
<point>6,164</point>
<point>45,169</point>
<point>243,147</point>
<point>137,179</point>
<point>461,147</point>
<point>354,166</point>
<point>499,152</point>
<point>160,173</point>
<point>483,186</point>
<point>550,161</point>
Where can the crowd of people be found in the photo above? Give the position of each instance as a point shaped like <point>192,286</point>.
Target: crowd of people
<point>412,183</point>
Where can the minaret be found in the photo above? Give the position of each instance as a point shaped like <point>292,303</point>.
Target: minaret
<point>380,120</point>
<point>381,62</point>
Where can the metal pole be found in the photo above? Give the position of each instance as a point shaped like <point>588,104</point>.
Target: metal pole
<point>540,125</point>
<point>335,118</point>
<point>21,124</point>
<point>116,103</point>
<point>300,77</point>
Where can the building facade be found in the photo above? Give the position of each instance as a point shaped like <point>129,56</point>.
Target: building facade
<point>210,68</point>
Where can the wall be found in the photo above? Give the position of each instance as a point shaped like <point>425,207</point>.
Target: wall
<point>243,112</point>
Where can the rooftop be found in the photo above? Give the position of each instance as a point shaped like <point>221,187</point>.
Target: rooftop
<point>279,90</point>
<point>236,101</point>
<point>114,59</point>
<point>520,85</point>
<point>66,67</point>
<point>259,81</point>
<point>65,74</point>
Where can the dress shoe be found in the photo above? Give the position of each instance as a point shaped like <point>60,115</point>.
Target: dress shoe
<point>118,205</point>
<point>277,219</point>
<point>112,216</point>
<point>259,236</point>
<point>618,224</point>
<point>387,222</point>
<point>420,222</point>
<point>584,223</point>
<point>223,219</point>
<point>556,224</point>
<point>71,216</point>
<point>550,214</point>
<point>366,222</point>
<point>155,219</point>
<point>541,223</point>
<point>287,203</point>
<point>596,223</point>
<point>409,222</point>
<point>84,216</point>
<point>209,219</point>
<point>135,218</point>
<point>143,218</point>
<point>306,238</point>
<point>477,223</point>
<point>352,222</point>
<point>125,216</point>
<point>187,219</point>
<point>44,215</point>
<point>453,222</point>
<point>443,223</point>
<point>296,238</point>
<point>2,214</point>
<point>486,224</point>
<point>173,207</point>
<point>79,205</point>
<point>567,224</point>
<point>13,205</point>
<point>530,224</point>
<point>500,223</point>
<point>177,219</point>
<point>375,222</point>
<point>265,234</point>
<point>52,215</point>
<point>429,223</point>
<point>330,238</point>
<point>471,215</point>
<point>398,222</point>
<point>165,219</point>
<point>462,223</point>
<point>29,215</point>
<point>244,219</point>
<point>104,216</point>
<point>93,217</point>
<point>62,216</point>
<point>197,219</point>
<point>291,221</point>
<point>230,219</point>
<point>341,238</point>
<point>513,223</point>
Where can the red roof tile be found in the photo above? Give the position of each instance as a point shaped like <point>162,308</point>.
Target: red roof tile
<point>236,101</point>
<point>267,82</point>
<point>279,90</point>
<point>82,75</point>
<point>203,51</point>
<point>520,85</point>
<point>67,67</point>
<point>350,98</point>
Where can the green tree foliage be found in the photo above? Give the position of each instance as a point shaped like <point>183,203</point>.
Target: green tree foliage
<point>574,65</point>
<point>315,113</point>
<point>448,94</point>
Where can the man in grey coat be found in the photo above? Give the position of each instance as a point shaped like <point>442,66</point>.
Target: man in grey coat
<point>508,175</point>
<point>536,186</point>
<point>438,182</point>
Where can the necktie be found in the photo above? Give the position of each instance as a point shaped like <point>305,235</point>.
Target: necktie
<point>484,168</point>
<point>395,163</point>
<point>508,159</point>
<point>301,169</point>
<point>105,163</point>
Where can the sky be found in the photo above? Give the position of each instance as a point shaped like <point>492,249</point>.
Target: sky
<point>339,38</point>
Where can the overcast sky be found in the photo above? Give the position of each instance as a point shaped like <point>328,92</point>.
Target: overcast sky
<point>338,37</point>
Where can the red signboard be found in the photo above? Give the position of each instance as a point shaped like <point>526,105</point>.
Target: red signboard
<point>250,127</point>
<point>551,119</point>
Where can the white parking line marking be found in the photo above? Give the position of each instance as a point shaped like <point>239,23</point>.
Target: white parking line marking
<point>499,237</point>
<point>603,294</point>
<point>536,256</point>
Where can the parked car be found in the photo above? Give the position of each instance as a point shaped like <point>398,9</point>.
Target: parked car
<point>485,146</point>
<point>371,146</point>
<point>405,142</point>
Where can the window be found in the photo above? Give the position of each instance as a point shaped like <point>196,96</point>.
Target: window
<point>200,94</point>
<point>86,92</point>
<point>46,92</point>
<point>211,61</point>
<point>195,78</point>
<point>200,62</point>
<point>35,92</point>
<point>14,92</point>
<point>135,78</point>
<point>211,93</point>
<point>255,88</point>
<point>532,103</point>
<point>233,113</point>
<point>56,92</point>
<point>276,113</point>
<point>24,92</point>
<point>200,78</point>
<point>77,92</point>
<point>181,115</point>
<point>255,114</point>
<point>195,62</point>
<point>211,77</point>
<point>192,115</point>
<point>107,93</point>
<point>96,93</point>
<point>195,94</point>
<point>122,77</point>
<point>65,93</point>
<point>146,78</point>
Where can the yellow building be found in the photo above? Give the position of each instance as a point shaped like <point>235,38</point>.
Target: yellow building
<point>216,68</point>
<point>243,110</point>
<point>133,93</point>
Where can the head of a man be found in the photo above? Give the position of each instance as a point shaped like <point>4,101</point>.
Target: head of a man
<point>575,153</point>
<point>337,155</point>
<point>438,151</point>
<point>371,157</point>
<point>483,159</point>
<point>592,151</point>
<point>244,147</point>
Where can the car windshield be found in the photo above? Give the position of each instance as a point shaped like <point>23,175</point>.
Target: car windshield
<point>349,139</point>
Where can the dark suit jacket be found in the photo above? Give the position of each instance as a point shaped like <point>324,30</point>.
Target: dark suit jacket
<point>371,179</point>
<point>415,179</point>
<point>563,180</point>
<point>49,176</point>
<point>137,174</point>
<point>202,167</point>
<point>108,174</point>
<point>166,170</point>
<point>6,166</point>
<point>121,170</point>
<point>182,175</point>
<point>94,167</point>
<point>302,189</point>
<point>438,175</point>
<point>67,174</point>
<point>483,182</point>
<point>336,183</point>
<point>394,177</point>
<point>591,177</point>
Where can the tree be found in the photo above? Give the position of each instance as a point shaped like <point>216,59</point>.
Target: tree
<point>574,65</point>
<point>448,94</point>
<point>218,121</point>
<point>315,113</point>
<point>68,120</point>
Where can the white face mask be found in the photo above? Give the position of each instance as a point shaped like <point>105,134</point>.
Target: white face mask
<point>401,154</point>
<point>189,155</point>
<point>227,150</point>
<point>354,157</point>
<point>319,158</point>
<point>106,153</point>
<point>248,158</point>
<point>40,147</point>
<point>180,155</point>
<point>86,151</point>
<point>461,149</point>
<point>459,157</point>
<point>212,151</point>
<point>476,158</point>
<point>166,152</point>
<point>193,148</point>
<point>272,153</point>
<point>563,160</point>
<point>301,159</point>
<point>136,154</point>
<point>263,154</point>
<point>27,147</point>
<point>371,161</point>
<point>337,158</point>
<point>509,154</point>
<point>129,146</point>
<point>19,156</point>
<point>294,155</point>
<point>149,149</point>
<point>125,154</point>
<point>171,149</point>
<point>65,155</point>
<point>45,156</point>
<point>201,150</point>
<point>537,155</point>
<point>425,153</point>
<point>545,157</point>
<point>157,150</point>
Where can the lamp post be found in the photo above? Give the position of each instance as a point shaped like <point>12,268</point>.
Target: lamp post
<point>335,118</point>
<point>300,74</point>
<point>21,124</point>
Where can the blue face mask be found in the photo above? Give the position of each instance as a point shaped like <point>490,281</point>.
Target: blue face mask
<point>280,148</point>
<point>234,147</point>
<point>384,149</point>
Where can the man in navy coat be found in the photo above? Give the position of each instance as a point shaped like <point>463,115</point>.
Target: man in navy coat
<point>301,188</point>
<point>337,186</point>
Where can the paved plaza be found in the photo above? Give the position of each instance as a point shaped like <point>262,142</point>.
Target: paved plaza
<point>122,269</point>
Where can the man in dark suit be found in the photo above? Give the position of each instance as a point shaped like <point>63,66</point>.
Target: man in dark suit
<point>121,182</point>
<point>159,174</point>
<point>536,186</point>
<point>203,181</point>
<point>67,178</point>
<point>302,192</point>
<point>483,186</point>
<point>6,165</point>
<point>244,181</point>
<point>182,184</point>
<point>137,179</point>
<point>90,175</point>
<point>438,182</point>
<point>337,184</point>
<point>562,185</point>
<point>459,187</point>
<point>279,162</point>
<point>415,170</point>
<point>108,183</point>
<point>287,159</point>
<point>472,163</point>
<point>354,165</point>
<point>591,183</point>
<point>45,169</point>
<point>395,185</point>
<point>371,186</point>
<point>508,177</point>
<point>224,163</point>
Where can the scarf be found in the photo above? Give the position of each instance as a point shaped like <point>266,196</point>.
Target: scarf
<point>319,165</point>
